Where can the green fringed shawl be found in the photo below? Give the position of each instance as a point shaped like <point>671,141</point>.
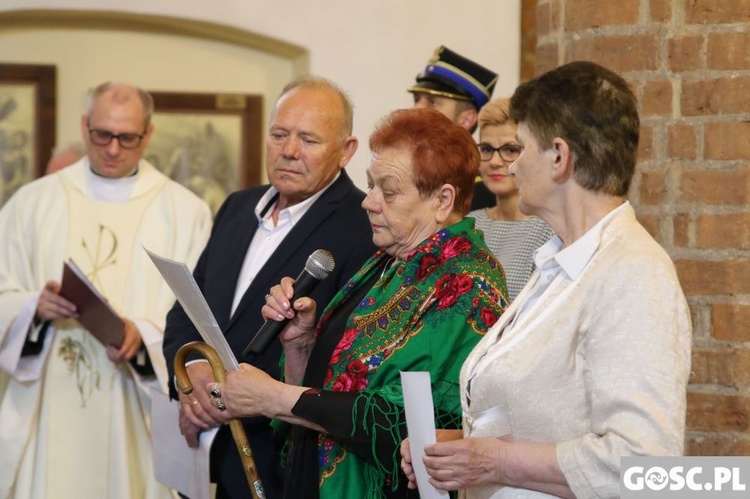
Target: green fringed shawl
<point>425,313</point>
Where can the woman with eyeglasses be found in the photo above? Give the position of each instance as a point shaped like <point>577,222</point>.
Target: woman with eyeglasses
<point>511,236</point>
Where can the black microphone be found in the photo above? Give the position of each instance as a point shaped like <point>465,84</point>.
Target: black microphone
<point>317,268</point>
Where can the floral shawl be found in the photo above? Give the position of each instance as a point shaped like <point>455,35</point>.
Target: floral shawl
<point>425,313</point>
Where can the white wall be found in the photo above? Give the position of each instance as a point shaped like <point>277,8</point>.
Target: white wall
<point>152,61</point>
<point>373,48</point>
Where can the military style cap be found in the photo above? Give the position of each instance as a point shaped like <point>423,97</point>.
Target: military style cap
<point>451,75</point>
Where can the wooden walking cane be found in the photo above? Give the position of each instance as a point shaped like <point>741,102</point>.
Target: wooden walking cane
<point>238,432</point>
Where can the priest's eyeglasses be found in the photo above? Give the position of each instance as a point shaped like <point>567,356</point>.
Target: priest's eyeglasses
<point>126,140</point>
<point>508,152</point>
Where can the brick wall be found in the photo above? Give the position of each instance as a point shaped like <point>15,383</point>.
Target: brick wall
<point>528,39</point>
<point>689,64</point>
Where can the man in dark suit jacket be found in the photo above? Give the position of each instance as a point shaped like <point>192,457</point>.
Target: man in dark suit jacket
<point>311,204</point>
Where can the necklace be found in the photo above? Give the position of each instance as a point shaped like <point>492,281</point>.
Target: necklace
<point>388,264</point>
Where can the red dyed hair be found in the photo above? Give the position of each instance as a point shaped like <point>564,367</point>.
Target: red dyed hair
<point>441,152</point>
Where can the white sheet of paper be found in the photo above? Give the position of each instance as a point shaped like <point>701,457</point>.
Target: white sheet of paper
<point>175,464</point>
<point>180,279</point>
<point>420,424</point>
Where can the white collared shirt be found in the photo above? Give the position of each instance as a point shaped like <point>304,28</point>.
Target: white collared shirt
<point>552,259</point>
<point>268,237</point>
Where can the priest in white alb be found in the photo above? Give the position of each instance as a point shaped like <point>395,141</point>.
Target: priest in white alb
<point>74,412</point>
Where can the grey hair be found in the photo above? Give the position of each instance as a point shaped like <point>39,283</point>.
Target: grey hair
<point>95,93</point>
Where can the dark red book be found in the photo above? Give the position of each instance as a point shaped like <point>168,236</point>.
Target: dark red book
<point>94,313</point>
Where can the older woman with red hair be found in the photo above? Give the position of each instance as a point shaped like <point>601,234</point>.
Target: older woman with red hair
<point>420,303</point>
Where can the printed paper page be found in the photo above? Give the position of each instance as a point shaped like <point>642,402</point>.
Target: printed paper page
<point>179,277</point>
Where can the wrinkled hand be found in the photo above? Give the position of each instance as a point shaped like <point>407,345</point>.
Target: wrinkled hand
<point>406,458</point>
<point>130,344</point>
<point>52,306</point>
<point>196,408</point>
<point>247,392</point>
<point>298,332</point>
<point>465,463</point>
<point>190,431</point>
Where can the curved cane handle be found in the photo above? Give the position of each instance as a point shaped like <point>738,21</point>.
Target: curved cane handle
<point>180,371</point>
<point>235,425</point>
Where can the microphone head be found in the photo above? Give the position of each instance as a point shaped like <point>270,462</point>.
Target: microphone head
<point>320,264</point>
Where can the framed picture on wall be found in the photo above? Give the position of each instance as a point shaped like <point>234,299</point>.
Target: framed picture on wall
<point>211,143</point>
<point>27,123</point>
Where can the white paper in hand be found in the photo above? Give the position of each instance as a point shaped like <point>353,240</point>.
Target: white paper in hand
<point>420,424</point>
<point>180,279</point>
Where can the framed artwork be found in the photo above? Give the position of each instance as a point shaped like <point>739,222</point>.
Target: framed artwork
<point>27,123</point>
<point>210,143</point>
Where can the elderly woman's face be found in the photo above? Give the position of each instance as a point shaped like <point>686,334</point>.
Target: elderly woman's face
<point>533,173</point>
<point>400,216</point>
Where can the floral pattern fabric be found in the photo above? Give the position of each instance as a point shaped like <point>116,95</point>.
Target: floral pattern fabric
<point>425,313</point>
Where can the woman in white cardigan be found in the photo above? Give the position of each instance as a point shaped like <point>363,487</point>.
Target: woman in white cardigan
<point>591,361</point>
